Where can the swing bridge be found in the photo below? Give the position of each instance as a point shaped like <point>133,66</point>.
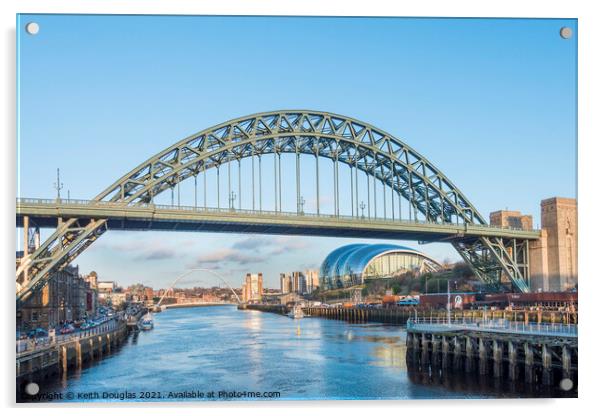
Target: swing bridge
<point>376,187</point>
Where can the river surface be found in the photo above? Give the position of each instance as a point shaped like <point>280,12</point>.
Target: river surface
<point>195,353</point>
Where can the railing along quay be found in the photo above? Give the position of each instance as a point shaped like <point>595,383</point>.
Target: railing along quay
<point>400,316</point>
<point>492,325</point>
<point>58,354</point>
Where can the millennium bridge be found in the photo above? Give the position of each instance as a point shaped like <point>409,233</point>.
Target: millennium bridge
<point>393,192</point>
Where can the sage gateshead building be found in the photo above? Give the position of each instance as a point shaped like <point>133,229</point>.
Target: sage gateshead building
<point>352,264</point>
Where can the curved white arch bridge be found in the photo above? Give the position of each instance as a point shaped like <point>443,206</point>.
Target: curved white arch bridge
<point>407,196</point>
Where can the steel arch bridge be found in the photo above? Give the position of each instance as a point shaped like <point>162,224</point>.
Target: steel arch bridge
<point>432,199</point>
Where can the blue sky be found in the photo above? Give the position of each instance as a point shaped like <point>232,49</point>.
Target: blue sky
<point>490,102</point>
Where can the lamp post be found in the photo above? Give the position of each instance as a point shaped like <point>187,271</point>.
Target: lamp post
<point>448,304</point>
<point>58,185</point>
<point>232,199</point>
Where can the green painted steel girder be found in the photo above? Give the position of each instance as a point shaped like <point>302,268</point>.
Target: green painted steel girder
<point>339,138</point>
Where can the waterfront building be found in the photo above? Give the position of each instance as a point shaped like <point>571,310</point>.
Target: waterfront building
<point>106,287</point>
<point>117,299</point>
<point>299,283</point>
<point>312,277</point>
<point>285,283</point>
<point>350,265</point>
<point>67,297</point>
<point>252,288</point>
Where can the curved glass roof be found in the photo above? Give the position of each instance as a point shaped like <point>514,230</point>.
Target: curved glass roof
<point>331,260</point>
<point>353,258</point>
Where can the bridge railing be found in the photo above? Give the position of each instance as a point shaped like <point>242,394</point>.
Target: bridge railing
<point>492,325</point>
<point>163,207</point>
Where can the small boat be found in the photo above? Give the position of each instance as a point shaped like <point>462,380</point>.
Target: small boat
<point>146,323</point>
<point>296,312</point>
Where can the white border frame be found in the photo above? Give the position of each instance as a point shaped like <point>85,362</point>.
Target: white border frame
<point>590,119</point>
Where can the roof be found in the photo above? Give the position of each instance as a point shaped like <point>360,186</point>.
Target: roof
<point>353,258</point>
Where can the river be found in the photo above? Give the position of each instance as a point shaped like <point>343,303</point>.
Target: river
<point>222,353</point>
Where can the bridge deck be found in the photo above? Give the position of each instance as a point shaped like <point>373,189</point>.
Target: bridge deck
<point>46,213</point>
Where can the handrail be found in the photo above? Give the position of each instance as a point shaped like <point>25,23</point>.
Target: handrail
<point>492,325</point>
<point>162,207</point>
<point>105,326</point>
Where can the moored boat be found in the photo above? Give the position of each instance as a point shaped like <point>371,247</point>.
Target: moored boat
<point>146,322</point>
<point>296,312</point>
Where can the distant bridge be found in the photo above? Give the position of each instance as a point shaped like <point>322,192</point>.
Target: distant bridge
<point>407,196</point>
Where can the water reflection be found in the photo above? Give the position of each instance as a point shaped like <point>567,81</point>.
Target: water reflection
<point>221,348</point>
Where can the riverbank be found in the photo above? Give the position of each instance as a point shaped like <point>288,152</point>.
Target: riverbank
<point>58,357</point>
<point>400,316</point>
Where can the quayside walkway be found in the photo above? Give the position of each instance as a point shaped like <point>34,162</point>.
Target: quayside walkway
<point>502,326</point>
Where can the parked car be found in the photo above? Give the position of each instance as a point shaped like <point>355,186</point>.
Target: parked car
<point>67,329</point>
<point>37,333</point>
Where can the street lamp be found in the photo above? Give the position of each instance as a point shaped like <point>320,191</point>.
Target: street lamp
<point>448,304</point>
<point>232,199</point>
<point>301,204</point>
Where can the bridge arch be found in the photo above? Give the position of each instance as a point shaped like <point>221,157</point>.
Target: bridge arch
<point>187,272</point>
<point>321,134</point>
<point>342,139</point>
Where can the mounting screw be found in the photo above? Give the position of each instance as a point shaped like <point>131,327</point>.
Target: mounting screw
<point>32,28</point>
<point>566,32</point>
